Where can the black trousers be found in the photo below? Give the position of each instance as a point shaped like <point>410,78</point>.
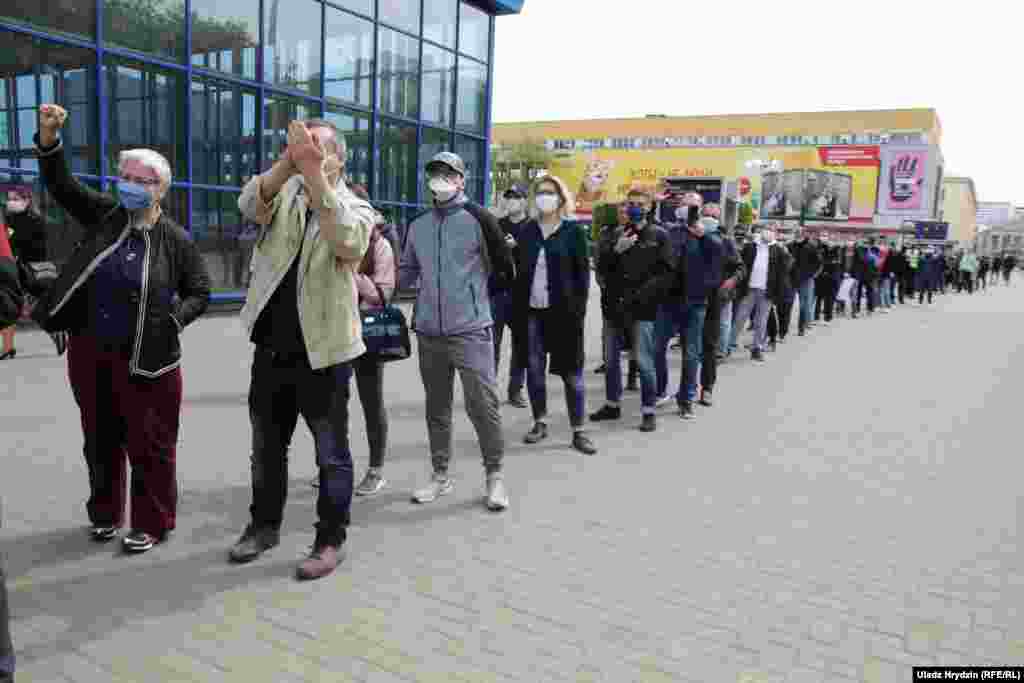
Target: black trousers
<point>907,286</point>
<point>825,288</point>
<point>370,384</point>
<point>864,288</point>
<point>283,387</point>
<point>785,312</point>
<point>712,337</point>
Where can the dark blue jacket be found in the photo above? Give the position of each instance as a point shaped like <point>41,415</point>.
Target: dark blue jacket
<point>701,264</point>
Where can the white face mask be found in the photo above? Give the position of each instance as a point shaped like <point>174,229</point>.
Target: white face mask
<point>515,206</point>
<point>442,188</point>
<point>16,205</point>
<point>547,203</point>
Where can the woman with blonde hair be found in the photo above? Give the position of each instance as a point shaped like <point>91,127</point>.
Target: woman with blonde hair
<point>550,300</point>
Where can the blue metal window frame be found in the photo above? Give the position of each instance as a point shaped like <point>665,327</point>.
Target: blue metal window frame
<point>263,90</point>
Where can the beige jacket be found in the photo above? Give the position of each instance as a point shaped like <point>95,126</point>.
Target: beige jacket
<point>328,298</point>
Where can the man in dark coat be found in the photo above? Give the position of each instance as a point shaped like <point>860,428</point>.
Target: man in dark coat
<point>636,270</point>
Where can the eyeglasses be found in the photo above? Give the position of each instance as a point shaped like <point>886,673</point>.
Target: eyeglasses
<point>148,182</point>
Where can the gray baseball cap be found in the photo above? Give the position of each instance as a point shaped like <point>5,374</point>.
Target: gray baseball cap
<point>449,159</point>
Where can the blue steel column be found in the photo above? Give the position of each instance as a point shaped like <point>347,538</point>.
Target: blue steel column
<point>372,153</point>
<point>488,101</point>
<point>103,108</point>
<point>419,111</point>
<point>188,116</point>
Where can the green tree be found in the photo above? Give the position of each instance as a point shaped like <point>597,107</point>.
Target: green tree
<point>519,162</point>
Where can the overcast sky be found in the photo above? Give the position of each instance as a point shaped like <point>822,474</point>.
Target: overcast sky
<point>563,59</point>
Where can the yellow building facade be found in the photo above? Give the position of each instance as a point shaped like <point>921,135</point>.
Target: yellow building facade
<point>960,209</point>
<point>890,161</point>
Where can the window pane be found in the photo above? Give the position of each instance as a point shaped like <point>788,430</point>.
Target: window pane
<point>147,109</point>
<point>361,6</point>
<point>396,168</point>
<point>439,21</point>
<point>474,31</point>
<point>155,26</point>
<point>399,68</point>
<point>278,112</point>
<point>355,126</point>
<point>175,205</point>
<point>438,84</point>
<point>223,133</point>
<point>225,35</point>
<point>223,238</point>
<point>472,153</point>
<point>63,74</point>
<point>432,142</point>
<point>348,58</point>
<point>472,106</point>
<point>292,54</point>
<point>403,14</point>
<point>56,16</point>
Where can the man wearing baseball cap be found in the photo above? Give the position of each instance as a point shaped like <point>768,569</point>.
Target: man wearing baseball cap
<point>453,251</point>
<point>501,296</point>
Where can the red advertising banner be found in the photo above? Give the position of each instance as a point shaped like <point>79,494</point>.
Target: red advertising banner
<point>849,155</point>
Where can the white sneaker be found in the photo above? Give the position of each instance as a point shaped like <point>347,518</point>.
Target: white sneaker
<point>663,400</point>
<point>497,496</point>
<point>440,485</point>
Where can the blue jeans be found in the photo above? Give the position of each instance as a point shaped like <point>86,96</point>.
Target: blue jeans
<point>282,388</point>
<point>806,303</point>
<point>643,335</point>
<point>501,312</point>
<point>755,303</point>
<point>726,323</point>
<point>691,319</point>
<point>665,329</point>
<point>536,377</point>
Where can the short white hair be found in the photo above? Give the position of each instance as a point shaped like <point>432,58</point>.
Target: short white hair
<point>151,159</point>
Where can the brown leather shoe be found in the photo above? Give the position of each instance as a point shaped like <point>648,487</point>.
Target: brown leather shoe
<point>322,561</point>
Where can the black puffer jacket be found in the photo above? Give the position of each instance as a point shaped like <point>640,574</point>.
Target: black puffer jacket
<point>172,269</point>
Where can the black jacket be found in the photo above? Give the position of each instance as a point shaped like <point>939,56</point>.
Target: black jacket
<point>831,261</point>
<point>808,261</point>
<point>173,269</point>
<point>779,263</point>
<point>11,295</point>
<point>29,238</point>
<point>638,279</point>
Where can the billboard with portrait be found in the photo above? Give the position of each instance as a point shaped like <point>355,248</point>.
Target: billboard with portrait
<point>827,195</point>
<point>782,194</point>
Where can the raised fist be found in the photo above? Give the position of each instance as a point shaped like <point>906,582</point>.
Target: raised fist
<point>51,118</point>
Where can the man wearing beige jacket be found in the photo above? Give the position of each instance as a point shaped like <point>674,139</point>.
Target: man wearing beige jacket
<point>301,312</point>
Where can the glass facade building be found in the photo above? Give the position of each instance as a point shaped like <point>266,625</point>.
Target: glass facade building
<point>212,84</point>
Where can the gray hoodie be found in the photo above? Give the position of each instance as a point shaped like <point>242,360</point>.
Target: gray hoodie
<point>445,251</point>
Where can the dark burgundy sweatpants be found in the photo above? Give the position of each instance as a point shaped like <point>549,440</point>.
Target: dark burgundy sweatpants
<point>126,419</point>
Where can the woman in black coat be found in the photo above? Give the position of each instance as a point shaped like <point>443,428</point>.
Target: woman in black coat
<point>129,289</point>
<point>550,301</point>
<point>27,232</point>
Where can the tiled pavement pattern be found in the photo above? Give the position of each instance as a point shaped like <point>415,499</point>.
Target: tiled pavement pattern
<point>845,511</point>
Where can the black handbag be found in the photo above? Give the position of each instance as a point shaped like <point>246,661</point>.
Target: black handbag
<point>385,332</point>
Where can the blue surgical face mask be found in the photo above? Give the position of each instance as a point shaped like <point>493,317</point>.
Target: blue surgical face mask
<point>133,196</point>
<point>636,213</point>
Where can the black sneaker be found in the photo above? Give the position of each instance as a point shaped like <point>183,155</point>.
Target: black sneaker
<point>537,434</point>
<point>606,413</point>
<point>705,398</point>
<point>649,423</point>
<point>686,410</point>
<point>757,355</point>
<point>583,444</point>
<point>253,543</point>
<point>139,542</point>
<point>516,400</point>
<point>103,534</point>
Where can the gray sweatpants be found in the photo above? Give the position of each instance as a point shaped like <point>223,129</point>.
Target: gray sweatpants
<point>472,354</point>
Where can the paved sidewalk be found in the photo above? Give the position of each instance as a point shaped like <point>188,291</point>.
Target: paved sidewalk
<point>846,510</point>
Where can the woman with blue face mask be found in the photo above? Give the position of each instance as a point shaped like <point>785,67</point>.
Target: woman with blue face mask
<point>123,298</point>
